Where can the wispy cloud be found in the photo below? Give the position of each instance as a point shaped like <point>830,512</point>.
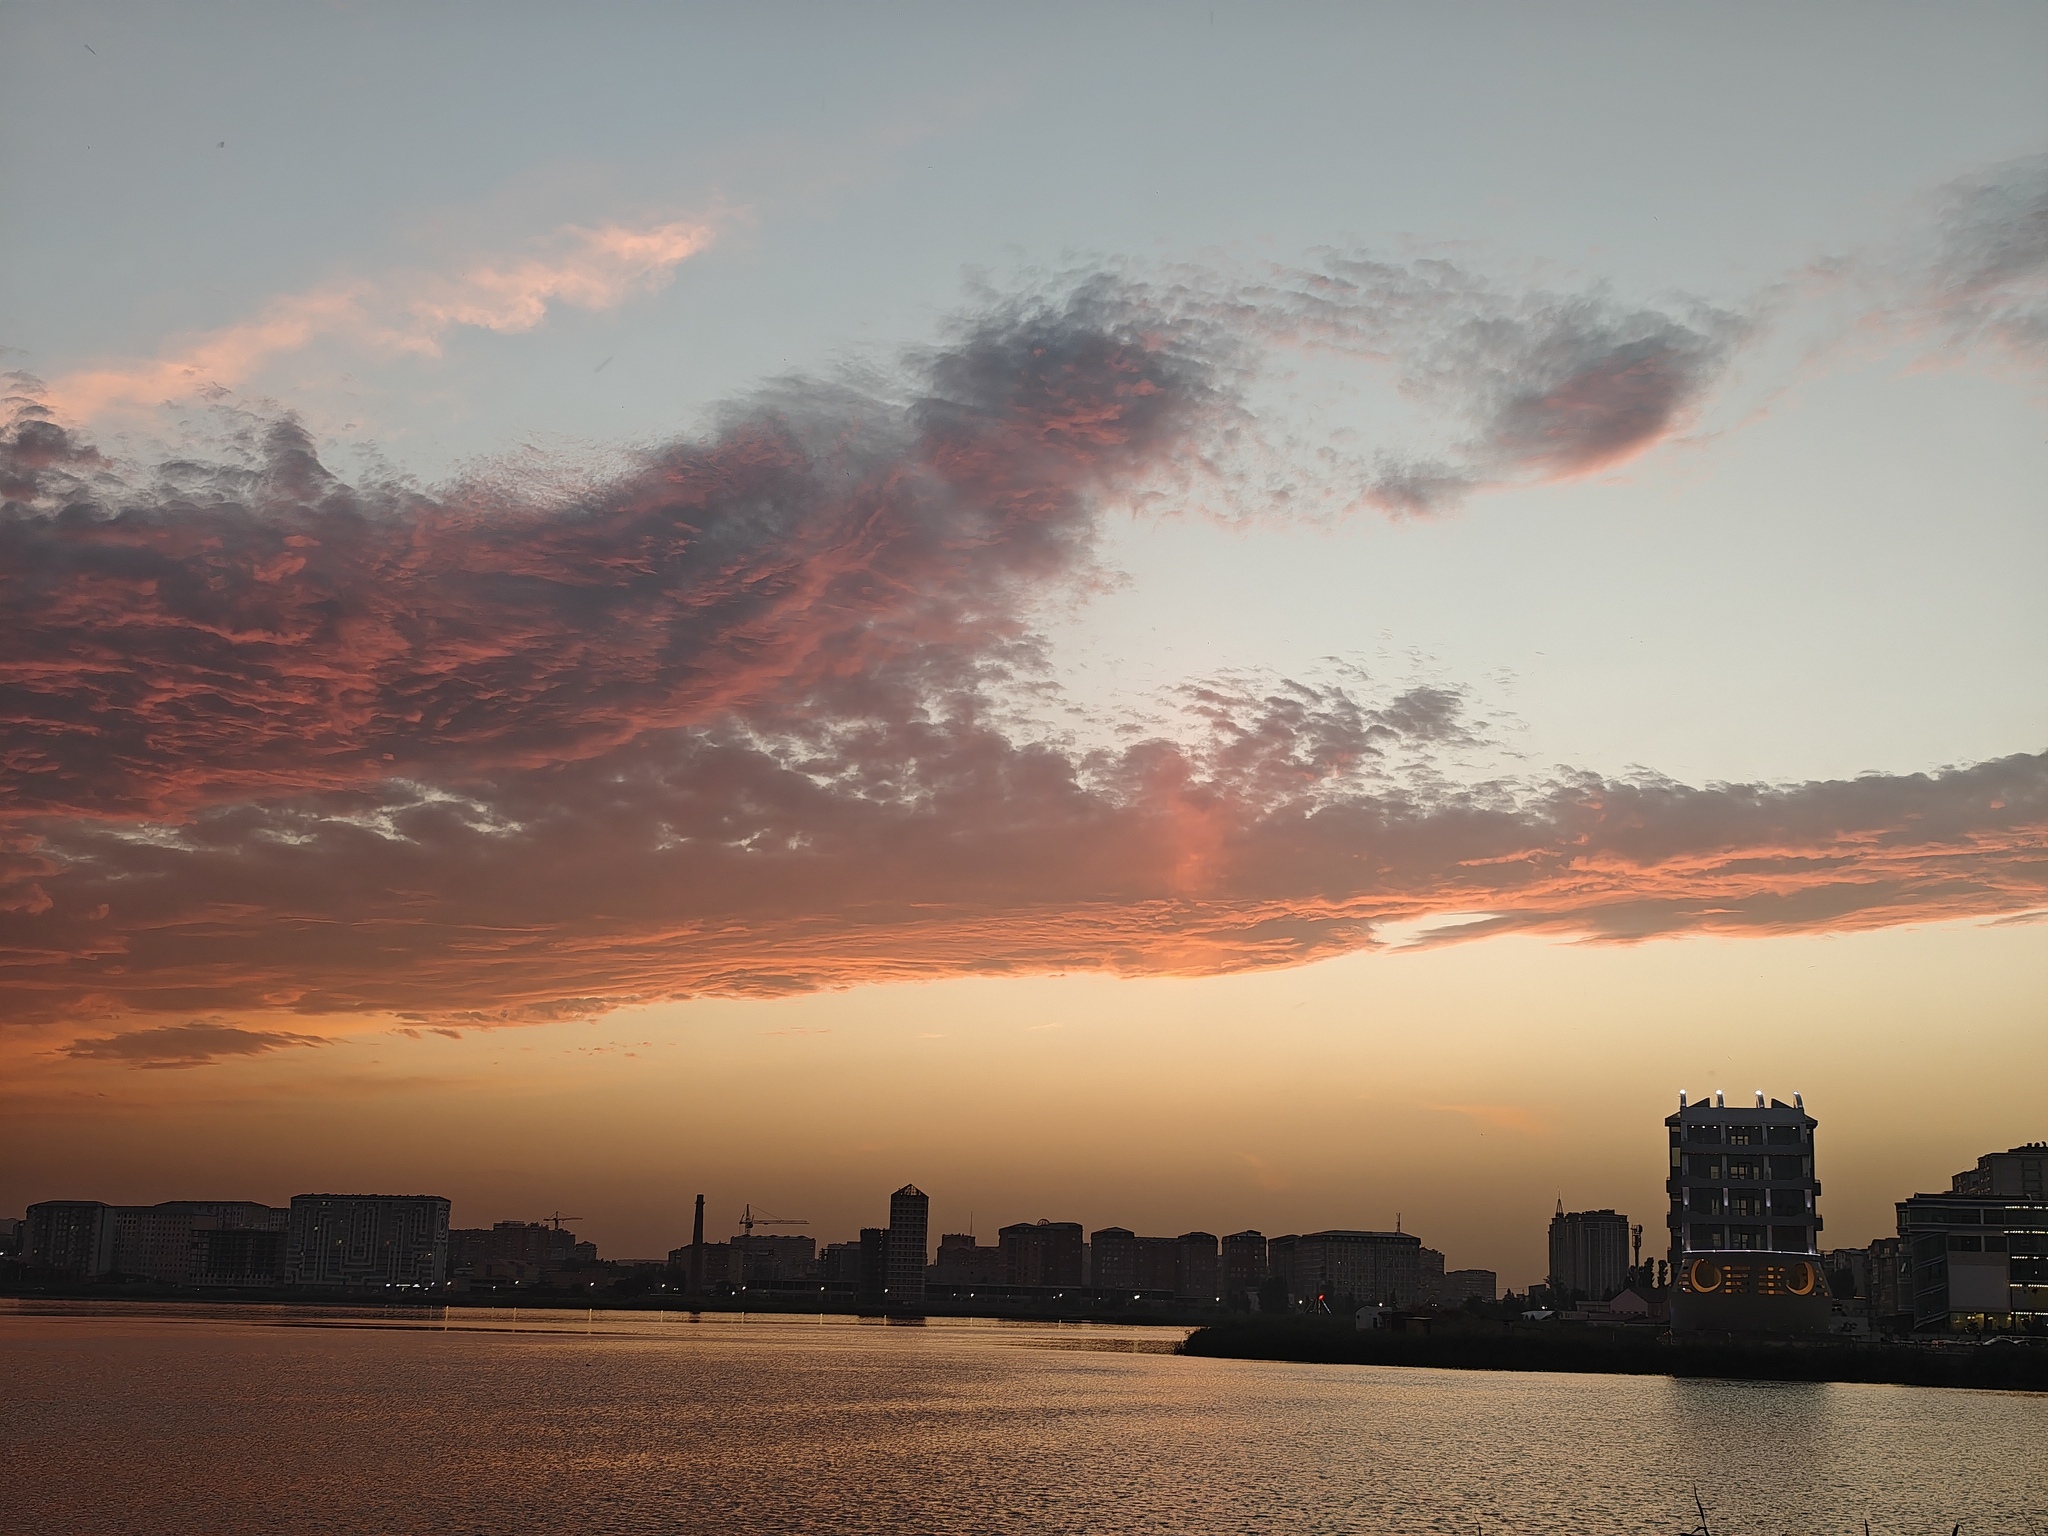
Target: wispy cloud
<point>1987,277</point>
<point>196,1044</point>
<point>407,312</point>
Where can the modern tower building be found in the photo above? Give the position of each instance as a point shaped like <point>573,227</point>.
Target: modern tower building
<point>1588,1254</point>
<point>1744,1228</point>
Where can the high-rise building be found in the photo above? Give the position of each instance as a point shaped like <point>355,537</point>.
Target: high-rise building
<point>909,1249</point>
<point>367,1240</point>
<point>1743,1223</point>
<point>170,1242</point>
<point>1244,1263</point>
<point>1196,1276</point>
<point>1429,1283</point>
<point>1046,1253</point>
<point>1323,1269</point>
<point>839,1265</point>
<point>1113,1259</point>
<point>874,1266</point>
<point>1891,1283</point>
<point>1588,1254</point>
<point>1978,1255</point>
<point>70,1239</point>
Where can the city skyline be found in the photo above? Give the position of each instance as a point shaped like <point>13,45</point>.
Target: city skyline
<point>1608,1230</point>
<point>1291,637</point>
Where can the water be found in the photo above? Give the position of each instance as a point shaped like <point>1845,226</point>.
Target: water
<point>228,1420</point>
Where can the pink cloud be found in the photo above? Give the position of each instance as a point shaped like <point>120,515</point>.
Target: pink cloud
<point>406,312</point>
<point>730,722</point>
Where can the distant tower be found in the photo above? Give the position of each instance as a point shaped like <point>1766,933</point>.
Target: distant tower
<point>909,1222</point>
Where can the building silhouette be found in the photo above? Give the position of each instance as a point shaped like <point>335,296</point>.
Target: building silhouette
<point>1461,1285</point>
<point>873,1266</point>
<point>1044,1253</point>
<point>962,1261</point>
<point>1322,1269</point>
<point>176,1242</point>
<point>1588,1254</point>
<point>1244,1263</point>
<point>69,1239</point>
<point>1196,1274</point>
<point>907,1248</point>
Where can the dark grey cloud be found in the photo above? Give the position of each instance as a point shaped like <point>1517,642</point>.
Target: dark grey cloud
<point>1536,385</point>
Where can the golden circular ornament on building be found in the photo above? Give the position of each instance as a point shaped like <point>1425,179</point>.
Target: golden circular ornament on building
<point>1703,1275</point>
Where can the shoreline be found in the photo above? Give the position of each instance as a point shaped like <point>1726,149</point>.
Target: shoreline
<point>2001,1366</point>
<point>558,1301</point>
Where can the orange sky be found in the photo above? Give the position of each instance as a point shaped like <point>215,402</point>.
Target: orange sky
<point>1464,1089</point>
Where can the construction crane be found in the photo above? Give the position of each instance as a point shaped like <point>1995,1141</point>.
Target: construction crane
<point>749,1221</point>
<point>557,1219</point>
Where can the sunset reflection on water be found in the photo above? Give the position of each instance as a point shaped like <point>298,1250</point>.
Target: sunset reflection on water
<point>245,1419</point>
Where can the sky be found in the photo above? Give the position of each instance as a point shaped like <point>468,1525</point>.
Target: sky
<point>1188,617</point>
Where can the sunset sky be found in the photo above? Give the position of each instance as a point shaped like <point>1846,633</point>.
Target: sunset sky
<point>1179,616</point>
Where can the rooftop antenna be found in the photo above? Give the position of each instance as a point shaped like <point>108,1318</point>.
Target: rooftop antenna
<point>1681,1098</point>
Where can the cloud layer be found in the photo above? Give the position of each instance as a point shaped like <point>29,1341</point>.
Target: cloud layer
<point>741,719</point>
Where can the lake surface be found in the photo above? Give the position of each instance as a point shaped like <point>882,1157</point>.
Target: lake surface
<point>125,1418</point>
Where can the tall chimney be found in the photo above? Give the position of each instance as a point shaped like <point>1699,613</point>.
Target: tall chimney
<point>697,1250</point>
